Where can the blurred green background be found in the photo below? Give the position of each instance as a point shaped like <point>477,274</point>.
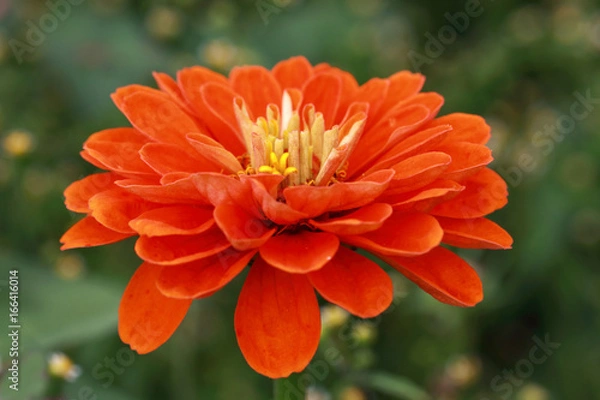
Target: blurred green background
<point>521,64</point>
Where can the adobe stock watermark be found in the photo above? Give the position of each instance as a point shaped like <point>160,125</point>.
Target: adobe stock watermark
<point>38,31</point>
<point>267,8</point>
<point>435,46</point>
<point>544,141</point>
<point>504,385</point>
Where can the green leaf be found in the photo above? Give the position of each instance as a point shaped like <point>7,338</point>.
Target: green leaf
<point>396,386</point>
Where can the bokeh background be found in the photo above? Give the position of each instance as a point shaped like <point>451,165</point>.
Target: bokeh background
<point>521,64</point>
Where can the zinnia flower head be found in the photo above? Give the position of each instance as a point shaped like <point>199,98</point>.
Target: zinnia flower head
<point>289,172</point>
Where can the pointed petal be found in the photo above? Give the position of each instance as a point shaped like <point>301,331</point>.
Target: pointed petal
<point>293,72</point>
<point>354,283</point>
<point>403,234</point>
<point>467,159</point>
<point>363,220</point>
<point>215,153</point>
<point>147,318</point>
<point>372,92</point>
<point>257,87</point>
<point>403,85</point>
<point>182,191</point>
<point>276,211</point>
<point>477,233</point>
<point>300,252</point>
<point>442,274</point>
<point>78,194</point>
<point>423,199</point>
<point>324,91</point>
<point>115,208</point>
<point>465,128</point>
<point>277,321</point>
<point>158,117</point>
<point>174,220</point>
<point>202,277</point>
<point>243,230</point>
<point>118,150</point>
<point>316,200</point>
<point>485,192</point>
<point>170,87</point>
<point>177,249</point>
<point>418,171</point>
<point>87,233</point>
<point>165,158</point>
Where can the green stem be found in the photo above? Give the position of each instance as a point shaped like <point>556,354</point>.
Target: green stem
<point>284,389</point>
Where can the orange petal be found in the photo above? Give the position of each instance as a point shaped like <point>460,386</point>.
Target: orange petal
<point>177,249</point>
<point>276,211</point>
<point>78,194</point>
<point>243,229</point>
<point>115,208</point>
<point>485,192</point>
<point>403,85</point>
<point>219,189</point>
<point>386,134</point>
<point>426,197</point>
<point>182,191</point>
<point>316,200</point>
<point>158,117</point>
<point>363,220</point>
<point>403,234</point>
<point>465,128</point>
<point>372,92</point>
<point>324,91</point>
<point>147,318</point>
<point>220,117</point>
<point>442,274</point>
<point>87,233</point>
<point>257,86</point>
<point>420,142</point>
<point>418,171</point>
<point>300,252</point>
<point>354,283</point>
<point>202,277</point>
<point>293,72</point>
<point>165,158</point>
<point>477,233</point>
<point>215,153</point>
<point>467,159</point>
<point>277,321</point>
<point>170,87</point>
<point>118,150</point>
<point>174,220</point>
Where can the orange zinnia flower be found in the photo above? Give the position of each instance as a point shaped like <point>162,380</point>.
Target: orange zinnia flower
<point>289,171</point>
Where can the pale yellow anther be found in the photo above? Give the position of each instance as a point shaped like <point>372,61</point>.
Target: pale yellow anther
<point>289,170</point>
<point>283,161</point>
<point>274,161</point>
<point>266,169</point>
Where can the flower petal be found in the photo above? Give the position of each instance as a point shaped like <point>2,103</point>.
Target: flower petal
<point>442,274</point>
<point>300,252</point>
<point>170,87</point>
<point>243,230</point>
<point>403,234</point>
<point>215,153</point>
<point>180,249</point>
<point>277,321</point>
<point>78,194</point>
<point>256,86</point>
<point>316,200</point>
<point>293,72</point>
<point>276,211</point>
<point>354,283</point>
<point>202,277</point>
<point>403,86</point>
<point>118,150</point>
<point>467,159</point>
<point>477,233</point>
<point>87,233</point>
<point>324,91</point>
<point>158,117</point>
<point>465,128</point>
<point>363,220</point>
<point>182,191</point>
<point>485,192</point>
<point>147,318</point>
<point>115,208</point>
<point>165,158</point>
<point>418,171</point>
<point>174,220</point>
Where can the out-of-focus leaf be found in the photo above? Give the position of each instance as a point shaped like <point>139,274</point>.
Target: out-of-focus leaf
<point>396,386</point>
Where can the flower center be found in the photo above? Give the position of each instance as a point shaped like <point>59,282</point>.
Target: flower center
<point>293,144</point>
